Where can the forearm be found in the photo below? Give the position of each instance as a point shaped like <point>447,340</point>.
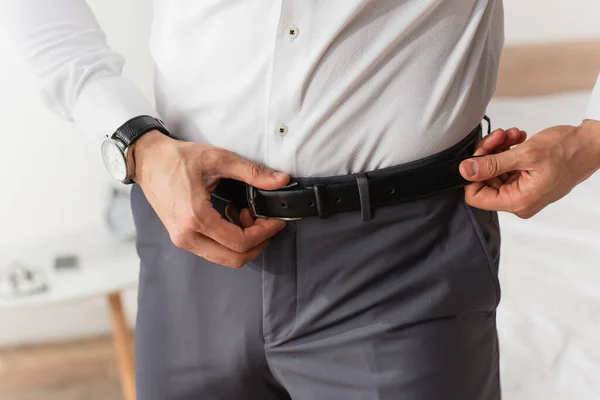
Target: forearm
<point>80,76</point>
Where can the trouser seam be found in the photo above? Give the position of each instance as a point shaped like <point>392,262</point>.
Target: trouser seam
<point>478,232</point>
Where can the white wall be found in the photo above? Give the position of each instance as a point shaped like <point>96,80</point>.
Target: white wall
<point>529,21</point>
<point>51,181</point>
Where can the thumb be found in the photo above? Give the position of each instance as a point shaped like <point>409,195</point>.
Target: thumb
<point>253,173</point>
<point>479,169</point>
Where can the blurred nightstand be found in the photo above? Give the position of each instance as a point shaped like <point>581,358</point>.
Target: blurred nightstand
<point>104,268</point>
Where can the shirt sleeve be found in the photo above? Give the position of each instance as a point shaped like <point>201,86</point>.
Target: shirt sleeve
<point>79,75</point>
<point>593,109</point>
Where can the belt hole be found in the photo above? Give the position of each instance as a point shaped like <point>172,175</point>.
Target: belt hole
<point>284,205</point>
<point>338,200</point>
<point>312,204</point>
<point>392,191</point>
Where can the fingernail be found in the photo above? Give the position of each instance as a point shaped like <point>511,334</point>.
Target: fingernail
<point>470,169</point>
<point>278,175</point>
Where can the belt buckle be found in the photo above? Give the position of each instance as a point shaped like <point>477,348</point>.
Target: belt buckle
<point>250,194</point>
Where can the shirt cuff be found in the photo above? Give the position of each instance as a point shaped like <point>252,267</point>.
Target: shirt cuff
<point>106,104</point>
<point>593,109</point>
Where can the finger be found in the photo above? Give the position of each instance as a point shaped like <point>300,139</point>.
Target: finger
<point>513,137</point>
<point>509,197</point>
<point>484,197</point>
<point>267,221</point>
<point>493,145</point>
<point>496,183</point>
<point>491,141</point>
<point>246,218</point>
<point>219,254</point>
<point>233,214</point>
<point>481,152</point>
<point>512,178</point>
<point>234,237</point>
<point>232,166</point>
<point>499,141</point>
<point>483,168</point>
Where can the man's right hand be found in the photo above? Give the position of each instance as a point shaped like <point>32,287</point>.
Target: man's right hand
<point>178,178</point>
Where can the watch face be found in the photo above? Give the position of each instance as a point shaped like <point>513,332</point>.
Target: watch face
<point>114,160</point>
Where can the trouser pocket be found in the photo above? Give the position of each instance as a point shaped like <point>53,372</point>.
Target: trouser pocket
<point>487,228</point>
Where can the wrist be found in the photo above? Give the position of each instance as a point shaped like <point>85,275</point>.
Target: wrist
<point>144,151</point>
<point>590,131</point>
<point>589,134</point>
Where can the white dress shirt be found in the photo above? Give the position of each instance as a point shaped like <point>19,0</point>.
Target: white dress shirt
<point>593,109</point>
<point>308,87</point>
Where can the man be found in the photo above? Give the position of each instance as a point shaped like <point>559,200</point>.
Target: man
<point>353,114</point>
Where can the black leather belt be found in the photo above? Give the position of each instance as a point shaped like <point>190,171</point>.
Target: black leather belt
<point>321,197</point>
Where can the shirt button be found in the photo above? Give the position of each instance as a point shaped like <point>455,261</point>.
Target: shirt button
<point>282,130</point>
<point>292,32</point>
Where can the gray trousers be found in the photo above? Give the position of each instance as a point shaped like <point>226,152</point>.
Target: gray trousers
<point>398,307</point>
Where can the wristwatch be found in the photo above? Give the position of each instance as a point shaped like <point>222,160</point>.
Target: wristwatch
<point>115,148</point>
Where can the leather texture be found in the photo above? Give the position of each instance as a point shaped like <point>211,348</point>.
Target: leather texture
<point>133,129</point>
<point>310,197</point>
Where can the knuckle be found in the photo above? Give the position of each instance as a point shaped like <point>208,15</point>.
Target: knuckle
<point>257,170</point>
<point>231,262</point>
<point>524,208</point>
<point>560,150</point>
<point>181,234</point>
<point>213,157</point>
<point>491,167</point>
<point>470,200</point>
<point>189,223</point>
<point>213,258</point>
<point>179,238</point>
<point>240,246</point>
<point>527,214</point>
<point>237,263</point>
<point>520,207</point>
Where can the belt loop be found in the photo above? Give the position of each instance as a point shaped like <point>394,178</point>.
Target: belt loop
<point>321,200</point>
<point>365,198</point>
<point>489,123</point>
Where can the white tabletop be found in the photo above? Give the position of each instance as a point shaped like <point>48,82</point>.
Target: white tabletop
<point>105,265</point>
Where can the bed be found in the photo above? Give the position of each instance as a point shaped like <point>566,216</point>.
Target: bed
<point>549,317</point>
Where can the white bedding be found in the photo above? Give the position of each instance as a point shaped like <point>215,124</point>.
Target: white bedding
<point>549,317</point>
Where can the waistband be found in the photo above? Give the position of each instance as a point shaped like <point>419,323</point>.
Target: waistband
<point>365,191</point>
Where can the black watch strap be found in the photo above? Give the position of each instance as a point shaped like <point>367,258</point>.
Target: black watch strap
<point>133,129</point>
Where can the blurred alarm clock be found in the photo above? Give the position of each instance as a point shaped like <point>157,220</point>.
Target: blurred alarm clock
<point>118,215</point>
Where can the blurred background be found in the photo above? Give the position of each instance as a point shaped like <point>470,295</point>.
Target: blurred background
<point>72,342</point>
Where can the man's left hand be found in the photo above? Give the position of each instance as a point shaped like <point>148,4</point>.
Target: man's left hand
<point>527,177</point>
